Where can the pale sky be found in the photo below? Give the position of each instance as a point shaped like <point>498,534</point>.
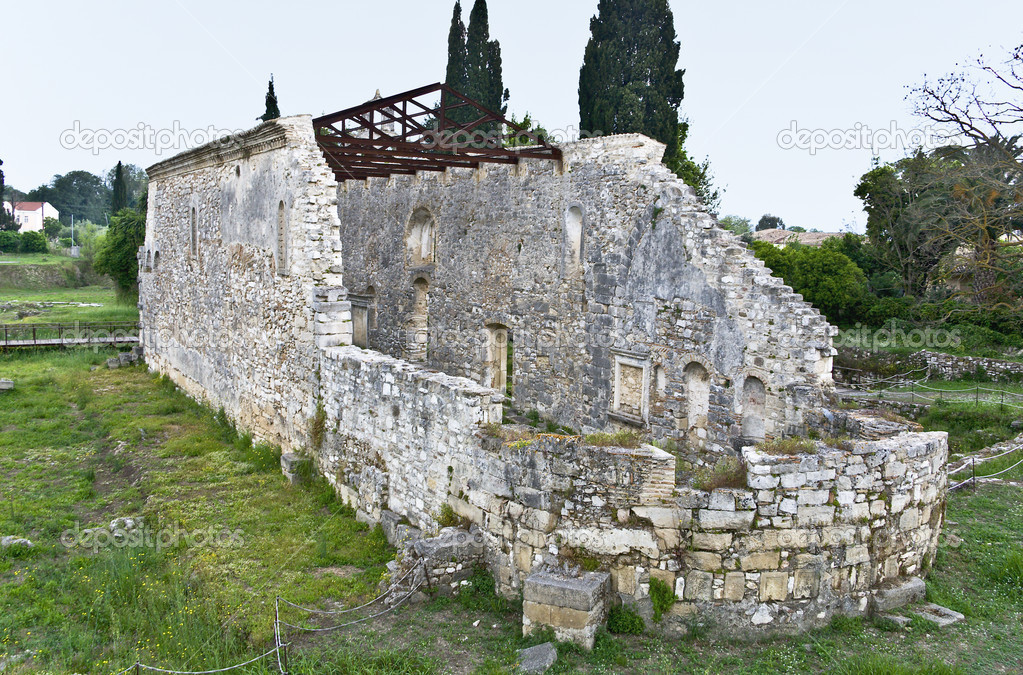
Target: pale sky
<point>752,69</point>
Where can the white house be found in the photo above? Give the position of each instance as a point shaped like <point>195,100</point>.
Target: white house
<point>30,215</point>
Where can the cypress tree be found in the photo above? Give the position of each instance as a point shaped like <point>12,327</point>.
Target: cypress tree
<point>455,76</point>
<point>628,82</point>
<point>456,73</point>
<point>120,193</point>
<point>272,111</point>
<point>484,81</point>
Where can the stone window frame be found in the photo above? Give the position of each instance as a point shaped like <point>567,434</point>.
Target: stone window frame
<point>635,360</point>
<point>364,303</point>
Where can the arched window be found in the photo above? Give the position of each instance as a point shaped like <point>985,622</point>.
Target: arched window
<point>282,241</point>
<point>573,255</point>
<point>754,409</point>
<point>697,389</point>
<point>156,261</point>
<point>421,238</point>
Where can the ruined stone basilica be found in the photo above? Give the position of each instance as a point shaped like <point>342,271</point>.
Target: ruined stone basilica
<point>379,302</point>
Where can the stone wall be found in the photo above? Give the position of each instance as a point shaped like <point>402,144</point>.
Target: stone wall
<point>625,303</point>
<point>240,276</point>
<point>939,366</point>
<point>812,535</point>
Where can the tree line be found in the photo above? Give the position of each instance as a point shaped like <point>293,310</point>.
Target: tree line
<point>944,236</point>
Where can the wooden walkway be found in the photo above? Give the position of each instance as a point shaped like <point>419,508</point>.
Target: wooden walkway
<point>56,335</point>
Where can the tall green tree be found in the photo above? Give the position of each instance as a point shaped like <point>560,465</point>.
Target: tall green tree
<point>117,256</point>
<point>484,81</point>
<point>272,111</point>
<point>629,82</point>
<point>904,200</point>
<point>456,73</point>
<point>81,193</point>
<point>119,198</point>
<point>474,64</point>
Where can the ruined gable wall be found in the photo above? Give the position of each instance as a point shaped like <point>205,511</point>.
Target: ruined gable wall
<point>658,286</point>
<point>218,315</point>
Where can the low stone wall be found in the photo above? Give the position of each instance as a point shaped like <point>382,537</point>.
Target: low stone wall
<point>939,366</point>
<point>812,535</point>
<point>952,367</point>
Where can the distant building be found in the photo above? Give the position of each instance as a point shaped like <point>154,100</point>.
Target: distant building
<point>30,215</point>
<point>782,237</point>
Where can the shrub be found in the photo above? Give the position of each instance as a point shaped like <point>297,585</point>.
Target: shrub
<point>10,242</point>
<point>662,596</point>
<point>727,472</point>
<point>33,242</point>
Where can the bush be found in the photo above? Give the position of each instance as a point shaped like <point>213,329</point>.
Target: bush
<point>10,242</point>
<point>33,242</point>
<point>65,242</point>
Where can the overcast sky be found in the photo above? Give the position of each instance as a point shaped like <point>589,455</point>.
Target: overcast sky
<point>752,70</point>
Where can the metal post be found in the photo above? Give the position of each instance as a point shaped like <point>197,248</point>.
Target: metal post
<point>973,465</point>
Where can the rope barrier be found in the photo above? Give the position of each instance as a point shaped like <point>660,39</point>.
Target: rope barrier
<point>141,666</point>
<point>357,621</point>
<point>975,458</point>
<point>351,609</point>
<point>990,475</point>
<point>280,648</point>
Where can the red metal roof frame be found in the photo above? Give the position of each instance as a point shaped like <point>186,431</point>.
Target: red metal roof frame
<point>402,135</point>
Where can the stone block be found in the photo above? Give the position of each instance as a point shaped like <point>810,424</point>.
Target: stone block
<point>806,583</point>
<point>624,580</point>
<point>709,541</point>
<point>582,593</point>
<point>898,593</point>
<point>726,520</point>
<point>451,545</point>
<point>764,560</point>
<point>658,517</point>
<point>735,586</point>
<point>721,501</point>
<point>536,660</point>
<point>704,560</point>
<point>699,586</point>
<point>544,521</point>
<point>774,586</point>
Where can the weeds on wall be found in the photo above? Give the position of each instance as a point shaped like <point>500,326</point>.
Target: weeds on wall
<point>663,597</point>
<point>727,472</point>
<point>624,621</point>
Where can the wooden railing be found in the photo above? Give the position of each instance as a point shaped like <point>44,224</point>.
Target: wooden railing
<point>17,335</point>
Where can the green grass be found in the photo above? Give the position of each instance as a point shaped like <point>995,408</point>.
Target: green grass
<point>87,446</point>
<point>971,427</point>
<point>33,259</point>
<point>82,447</point>
<point>15,300</point>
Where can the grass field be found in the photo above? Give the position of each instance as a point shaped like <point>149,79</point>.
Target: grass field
<point>33,259</point>
<point>80,447</point>
<point>32,302</point>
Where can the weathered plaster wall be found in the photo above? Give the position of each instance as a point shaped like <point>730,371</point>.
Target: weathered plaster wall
<point>240,265</point>
<point>655,287</point>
